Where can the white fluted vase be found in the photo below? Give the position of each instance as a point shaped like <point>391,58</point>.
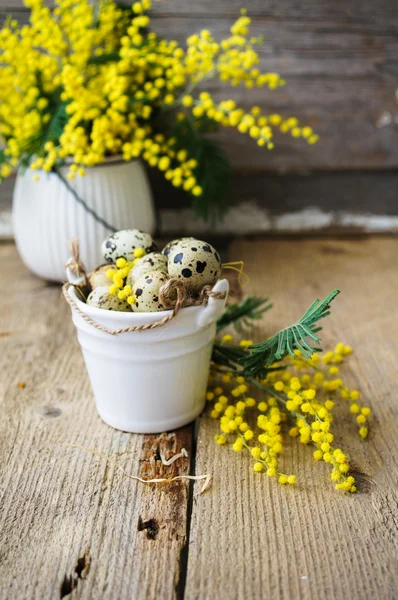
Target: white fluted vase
<point>46,214</point>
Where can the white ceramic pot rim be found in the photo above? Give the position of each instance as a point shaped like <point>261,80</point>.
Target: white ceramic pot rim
<point>108,161</point>
<point>133,318</point>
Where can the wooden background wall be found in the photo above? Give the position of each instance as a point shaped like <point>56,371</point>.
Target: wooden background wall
<point>340,61</point>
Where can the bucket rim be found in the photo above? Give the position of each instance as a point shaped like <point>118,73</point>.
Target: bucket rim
<point>125,317</point>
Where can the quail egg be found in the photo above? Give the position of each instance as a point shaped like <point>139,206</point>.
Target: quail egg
<point>99,276</point>
<point>168,247</point>
<point>101,298</point>
<point>195,262</point>
<point>146,292</point>
<point>153,261</point>
<point>123,243</point>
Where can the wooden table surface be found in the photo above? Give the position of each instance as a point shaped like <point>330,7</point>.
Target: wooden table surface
<point>73,526</point>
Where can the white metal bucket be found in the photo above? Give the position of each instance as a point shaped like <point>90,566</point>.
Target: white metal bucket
<point>149,381</point>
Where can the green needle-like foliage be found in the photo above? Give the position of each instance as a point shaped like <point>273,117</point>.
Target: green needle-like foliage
<point>299,336</point>
<point>228,357</point>
<point>240,315</point>
<point>52,132</point>
<point>213,172</point>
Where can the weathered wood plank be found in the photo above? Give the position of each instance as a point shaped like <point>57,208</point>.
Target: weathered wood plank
<point>268,202</point>
<point>340,65</point>
<point>353,191</point>
<point>251,538</point>
<point>337,81</point>
<point>71,523</point>
<point>357,10</point>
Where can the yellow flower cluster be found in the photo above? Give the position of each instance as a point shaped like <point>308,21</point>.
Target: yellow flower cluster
<point>329,380</point>
<point>118,275</point>
<point>83,82</point>
<point>258,126</point>
<point>36,61</point>
<point>300,401</point>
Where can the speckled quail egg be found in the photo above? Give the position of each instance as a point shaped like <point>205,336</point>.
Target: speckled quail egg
<point>153,261</point>
<point>195,262</point>
<point>99,276</point>
<point>168,247</point>
<point>123,243</point>
<point>101,298</point>
<point>146,292</point>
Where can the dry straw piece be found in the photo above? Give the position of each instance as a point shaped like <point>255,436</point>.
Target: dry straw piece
<point>206,478</point>
<point>238,266</point>
<point>170,461</point>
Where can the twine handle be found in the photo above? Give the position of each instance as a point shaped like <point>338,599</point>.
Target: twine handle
<point>166,293</point>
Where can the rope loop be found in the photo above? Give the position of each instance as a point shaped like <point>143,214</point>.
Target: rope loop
<point>74,263</point>
<point>173,294</point>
